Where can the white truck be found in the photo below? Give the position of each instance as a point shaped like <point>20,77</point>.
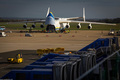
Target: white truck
<point>2,34</point>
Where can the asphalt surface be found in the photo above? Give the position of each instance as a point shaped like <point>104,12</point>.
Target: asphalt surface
<point>29,56</point>
<point>16,43</point>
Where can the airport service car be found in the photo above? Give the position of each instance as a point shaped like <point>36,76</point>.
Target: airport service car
<point>2,34</point>
<point>2,28</point>
<point>28,35</point>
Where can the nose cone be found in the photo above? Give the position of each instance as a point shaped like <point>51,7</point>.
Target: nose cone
<point>50,19</point>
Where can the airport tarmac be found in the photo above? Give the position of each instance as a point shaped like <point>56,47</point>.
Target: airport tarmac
<point>17,43</point>
<point>74,40</point>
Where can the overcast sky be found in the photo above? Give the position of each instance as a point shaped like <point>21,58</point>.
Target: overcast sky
<point>60,8</point>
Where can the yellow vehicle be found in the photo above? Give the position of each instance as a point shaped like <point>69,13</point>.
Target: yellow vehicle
<point>42,51</point>
<point>59,50</point>
<point>18,59</point>
<point>67,31</point>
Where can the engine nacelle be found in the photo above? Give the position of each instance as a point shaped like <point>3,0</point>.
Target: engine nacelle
<point>33,26</point>
<point>42,26</point>
<point>79,26</point>
<point>67,26</point>
<point>90,26</point>
<point>25,26</point>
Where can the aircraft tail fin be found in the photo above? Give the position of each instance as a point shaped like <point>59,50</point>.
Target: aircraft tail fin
<point>84,14</point>
<point>48,11</point>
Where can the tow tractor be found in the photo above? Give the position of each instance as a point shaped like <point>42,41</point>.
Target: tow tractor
<point>18,59</point>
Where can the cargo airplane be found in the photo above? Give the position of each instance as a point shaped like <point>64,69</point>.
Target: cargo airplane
<point>56,23</point>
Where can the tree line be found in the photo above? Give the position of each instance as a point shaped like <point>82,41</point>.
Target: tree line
<point>115,20</point>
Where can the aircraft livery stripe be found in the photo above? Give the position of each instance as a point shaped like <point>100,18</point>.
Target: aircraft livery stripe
<point>50,14</point>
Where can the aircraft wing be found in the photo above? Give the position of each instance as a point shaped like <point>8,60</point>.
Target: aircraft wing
<point>36,21</point>
<point>72,18</point>
<point>73,21</point>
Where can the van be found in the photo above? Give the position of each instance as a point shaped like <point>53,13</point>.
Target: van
<point>2,34</point>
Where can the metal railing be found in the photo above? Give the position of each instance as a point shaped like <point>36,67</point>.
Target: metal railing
<point>99,65</point>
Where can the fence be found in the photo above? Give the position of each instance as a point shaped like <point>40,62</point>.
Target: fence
<point>97,61</point>
<point>103,70</point>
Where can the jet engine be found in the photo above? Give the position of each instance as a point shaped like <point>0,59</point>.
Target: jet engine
<point>79,26</point>
<point>33,26</point>
<point>90,26</point>
<point>25,26</point>
<point>67,26</point>
<point>42,26</point>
